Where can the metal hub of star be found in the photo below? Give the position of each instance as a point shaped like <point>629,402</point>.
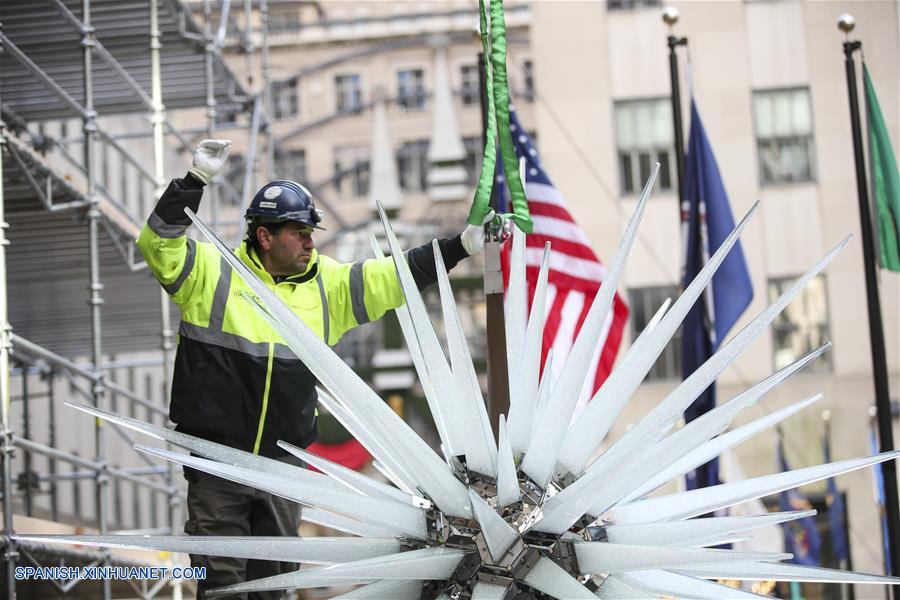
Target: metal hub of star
<point>494,554</point>
<point>541,514</point>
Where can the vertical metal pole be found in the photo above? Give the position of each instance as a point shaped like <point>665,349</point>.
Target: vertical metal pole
<point>674,42</point>
<point>98,389</point>
<point>267,89</point>
<point>248,42</point>
<point>10,555</point>
<point>165,315</point>
<point>876,329</point>
<point>26,432</point>
<point>249,161</point>
<point>51,441</point>
<point>498,369</point>
<point>210,52</point>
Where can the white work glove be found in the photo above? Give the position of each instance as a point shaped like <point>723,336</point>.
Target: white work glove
<point>209,159</point>
<point>472,237</point>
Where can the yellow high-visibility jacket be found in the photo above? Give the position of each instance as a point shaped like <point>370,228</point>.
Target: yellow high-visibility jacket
<point>235,381</point>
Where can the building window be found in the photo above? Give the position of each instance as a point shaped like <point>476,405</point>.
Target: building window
<point>474,149</point>
<point>631,4</point>
<point>802,326</point>
<point>528,79</point>
<point>285,101</point>
<point>644,136</point>
<point>470,90</point>
<point>412,165</point>
<point>784,136</point>
<point>351,170</point>
<point>643,303</point>
<point>348,89</point>
<point>284,19</point>
<point>411,89</point>
<point>291,164</point>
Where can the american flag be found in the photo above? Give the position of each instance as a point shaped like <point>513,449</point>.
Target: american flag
<point>575,271</point>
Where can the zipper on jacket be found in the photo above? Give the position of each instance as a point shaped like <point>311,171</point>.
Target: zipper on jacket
<point>265,399</point>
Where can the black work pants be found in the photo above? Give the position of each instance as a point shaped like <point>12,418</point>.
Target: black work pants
<point>217,506</point>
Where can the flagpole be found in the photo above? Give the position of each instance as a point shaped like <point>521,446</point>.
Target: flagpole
<point>497,367</point>
<point>670,17</point>
<point>876,329</point>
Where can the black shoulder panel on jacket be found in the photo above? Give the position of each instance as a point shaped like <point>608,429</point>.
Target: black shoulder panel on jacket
<point>421,260</point>
<point>181,193</point>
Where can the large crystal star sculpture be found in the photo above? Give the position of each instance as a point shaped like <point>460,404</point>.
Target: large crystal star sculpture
<point>535,516</point>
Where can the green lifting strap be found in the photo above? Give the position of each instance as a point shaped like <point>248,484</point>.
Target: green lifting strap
<point>498,120</point>
<point>481,204</point>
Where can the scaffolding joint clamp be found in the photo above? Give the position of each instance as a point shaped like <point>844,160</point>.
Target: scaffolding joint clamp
<point>10,553</point>
<point>102,476</point>
<point>9,448</point>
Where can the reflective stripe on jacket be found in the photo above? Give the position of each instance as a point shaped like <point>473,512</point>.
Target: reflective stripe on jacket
<point>235,381</point>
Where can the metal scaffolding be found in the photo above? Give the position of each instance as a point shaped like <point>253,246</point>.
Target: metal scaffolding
<point>64,226</point>
<point>89,91</point>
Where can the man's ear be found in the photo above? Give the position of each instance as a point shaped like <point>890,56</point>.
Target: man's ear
<point>264,236</point>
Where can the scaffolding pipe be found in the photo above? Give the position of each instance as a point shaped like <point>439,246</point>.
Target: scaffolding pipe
<point>120,70</point>
<point>153,470</point>
<point>223,23</point>
<point>26,430</point>
<point>46,197</point>
<point>51,462</point>
<point>267,89</point>
<point>10,554</point>
<point>142,170</point>
<point>48,81</point>
<point>166,332</point>
<point>210,50</point>
<point>94,215</point>
<point>249,161</point>
<point>33,349</point>
<point>94,465</point>
<point>247,42</point>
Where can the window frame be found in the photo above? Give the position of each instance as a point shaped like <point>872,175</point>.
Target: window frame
<point>823,364</point>
<point>416,152</point>
<point>810,138</point>
<point>668,179</point>
<point>289,156</point>
<point>351,94</point>
<point>286,100</point>
<point>359,173</point>
<point>627,5</point>
<point>668,366</point>
<point>470,95</point>
<point>528,93</point>
<point>415,98</point>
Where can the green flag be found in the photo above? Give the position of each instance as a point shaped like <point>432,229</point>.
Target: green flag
<point>885,180</point>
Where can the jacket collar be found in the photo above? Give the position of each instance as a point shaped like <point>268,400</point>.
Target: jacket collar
<point>251,259</point>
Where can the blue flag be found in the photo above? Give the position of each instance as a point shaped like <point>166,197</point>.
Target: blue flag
<point>801,536</point>
<point>707,219</point>
<point>835,501</point>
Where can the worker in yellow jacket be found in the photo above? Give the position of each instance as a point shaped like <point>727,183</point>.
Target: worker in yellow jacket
<point>235,382</point>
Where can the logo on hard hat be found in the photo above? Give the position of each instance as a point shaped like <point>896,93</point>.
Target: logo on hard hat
<point>272,193</point>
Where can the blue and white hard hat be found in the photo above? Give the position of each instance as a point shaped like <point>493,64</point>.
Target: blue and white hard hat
<point>284,200</point>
